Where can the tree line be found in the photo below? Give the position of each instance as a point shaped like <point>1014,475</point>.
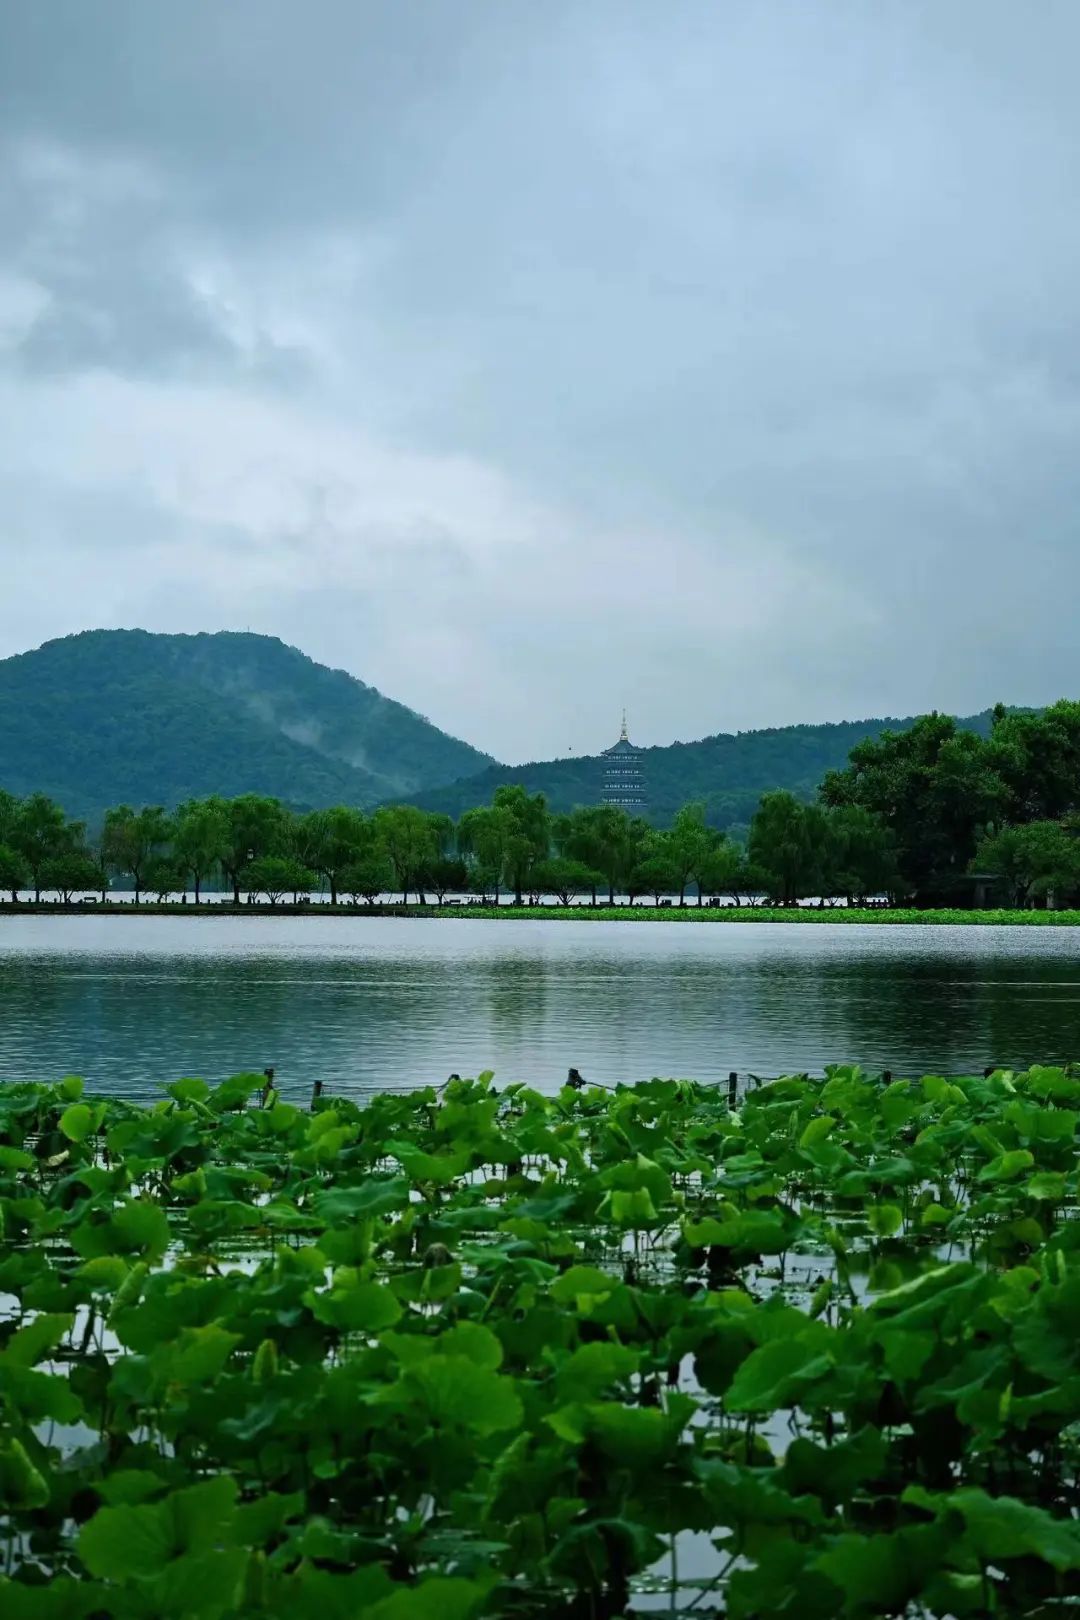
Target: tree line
<point>912,815</point>
<point>952,803</point>
<point>256,846</point>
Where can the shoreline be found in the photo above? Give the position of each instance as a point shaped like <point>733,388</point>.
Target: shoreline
<point>692,913</point>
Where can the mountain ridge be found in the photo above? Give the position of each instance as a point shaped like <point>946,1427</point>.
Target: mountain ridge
<point>110,716</point>
<point>729,771</point>
<point>105,716</point>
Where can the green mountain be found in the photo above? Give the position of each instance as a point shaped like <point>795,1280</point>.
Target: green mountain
<point>729,772</point>
<point>113,716</point>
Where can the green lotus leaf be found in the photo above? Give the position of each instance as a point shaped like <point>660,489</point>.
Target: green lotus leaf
<point>38,1397</point>
<point>355,1306</point>
<point>638,1436</point>
<point>594,1368</point>
<point>233,1093</point>
<point>438,1169</point>
<point>633,1209</point>
<point>376,1195</point>
<point>30,1343</point>
<point>581,1282</point>
<point>1046,1186</point>
<point>186,1091</point>
<point>473,1341</point>
<point>776,1375</point>
<point>197,1354</point>
<point>817,1130</point>
<point>255,1523</point>
<point>437,1598</point>
<point>129,1486</point>
<point>455,1391</point>
<point>122,1543</point>
<point>1001,1528</point>
<point>80,1119</point>
<point>885,1220</point>
<point>835,1472</point>
<point>1007,1166</point>
<point>882,1574</point>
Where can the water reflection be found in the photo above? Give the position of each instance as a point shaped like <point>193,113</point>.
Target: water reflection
<point>371,1003</point>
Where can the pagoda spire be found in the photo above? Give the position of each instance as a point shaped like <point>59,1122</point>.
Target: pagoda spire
<point>623,781</point>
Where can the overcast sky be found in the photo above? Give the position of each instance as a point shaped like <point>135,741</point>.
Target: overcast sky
<point>528,359</point>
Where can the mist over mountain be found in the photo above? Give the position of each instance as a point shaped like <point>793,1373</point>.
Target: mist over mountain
<point>113,716</point>
<point>110,716</point>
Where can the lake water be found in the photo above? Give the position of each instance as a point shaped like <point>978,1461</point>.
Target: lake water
<point>372,1003</point>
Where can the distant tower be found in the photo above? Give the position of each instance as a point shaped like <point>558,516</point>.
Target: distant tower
<point>624,779</point>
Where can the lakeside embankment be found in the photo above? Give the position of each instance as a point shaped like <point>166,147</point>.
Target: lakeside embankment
<point>883,916</point>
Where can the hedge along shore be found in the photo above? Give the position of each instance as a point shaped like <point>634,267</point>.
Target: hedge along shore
<point>691,913</point>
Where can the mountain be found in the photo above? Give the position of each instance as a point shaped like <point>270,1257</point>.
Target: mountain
<point>729,772</point>
<point>111,716</point>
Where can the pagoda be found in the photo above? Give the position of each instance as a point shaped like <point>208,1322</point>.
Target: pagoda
<point>624,779</point>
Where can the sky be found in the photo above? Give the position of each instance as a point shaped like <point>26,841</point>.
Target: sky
<point>720,360</point>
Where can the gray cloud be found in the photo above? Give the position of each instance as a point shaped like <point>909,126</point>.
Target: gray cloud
<point>527,360</point>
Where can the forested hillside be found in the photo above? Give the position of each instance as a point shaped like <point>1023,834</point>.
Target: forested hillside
<point>113,715</point>
<point>728,772</point>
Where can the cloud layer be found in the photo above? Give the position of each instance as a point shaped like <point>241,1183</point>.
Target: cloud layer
<point>527,361</point>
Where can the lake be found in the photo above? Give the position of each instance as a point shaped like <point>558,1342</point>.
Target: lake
<point>373,1003</point>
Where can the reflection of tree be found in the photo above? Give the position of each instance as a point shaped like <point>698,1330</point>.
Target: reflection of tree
<point>516,994</point>
<point>400,1010</point>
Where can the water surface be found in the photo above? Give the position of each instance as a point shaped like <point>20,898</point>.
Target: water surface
<point>371,1003</point>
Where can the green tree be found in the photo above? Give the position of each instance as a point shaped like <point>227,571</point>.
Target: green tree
<point>200,839</point>
<point>369,876</point>
<point>565,878</point>
<point>331,841</point>
<point>9,815</point>
<point>483,880</point>
<point>446,874</point>
<point>75,869</point>
<point>788,842</point>
<point>276,876</point>
<point>689,845</point>
<point>165,875</point>
<point>101,871</point>
<point>1041,858</point>
<point>1037,757</point>
<point>410,838</point>
<point>605,838</point>
<point>728,870</point>
<point>482,837</point>
<point>935,788</point>
<point>130,840</point>
<point>509,836</point>
<point>40,833</point>
<point>859,857</point>
<point>14,871</point>
<point>256,826</point>
<point>654,872</point>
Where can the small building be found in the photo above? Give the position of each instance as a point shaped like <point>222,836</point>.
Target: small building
<point>623,781</point>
